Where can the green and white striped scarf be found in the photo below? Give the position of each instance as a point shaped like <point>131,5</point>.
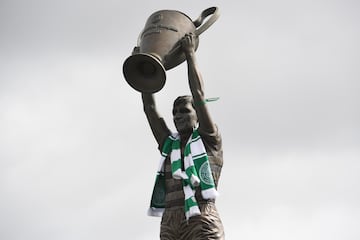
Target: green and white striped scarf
<point>197,173</point>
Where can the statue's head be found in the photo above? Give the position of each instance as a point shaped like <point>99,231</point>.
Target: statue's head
<point>184,114</point>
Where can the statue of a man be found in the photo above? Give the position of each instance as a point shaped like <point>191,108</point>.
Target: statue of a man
<point>189,113</point>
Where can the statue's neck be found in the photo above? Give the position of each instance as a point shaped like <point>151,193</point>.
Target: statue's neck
<point>184,137</point>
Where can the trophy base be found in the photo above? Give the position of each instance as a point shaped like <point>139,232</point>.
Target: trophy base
<point>144,72</point>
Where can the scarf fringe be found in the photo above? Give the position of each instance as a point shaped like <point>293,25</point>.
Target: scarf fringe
<point>193,211</point>
<point>155,212</point>
<point>195,181</point>
<point>210,193</point>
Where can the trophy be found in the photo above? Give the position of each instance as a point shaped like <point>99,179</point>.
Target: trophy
<point>158,48</point>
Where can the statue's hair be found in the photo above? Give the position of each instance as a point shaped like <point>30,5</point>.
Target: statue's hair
<point>184,99</point>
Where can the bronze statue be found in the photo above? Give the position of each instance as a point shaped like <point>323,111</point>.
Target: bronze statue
<point>191,159</point>
<point>189,112</point>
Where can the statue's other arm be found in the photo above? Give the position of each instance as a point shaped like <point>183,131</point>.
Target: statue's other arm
<point>157,123</point>
<point>197,86</point>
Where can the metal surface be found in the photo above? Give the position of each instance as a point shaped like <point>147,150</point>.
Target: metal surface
<point>158,47</point>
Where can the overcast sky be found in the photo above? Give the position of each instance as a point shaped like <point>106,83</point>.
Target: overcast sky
<point>77,157</point>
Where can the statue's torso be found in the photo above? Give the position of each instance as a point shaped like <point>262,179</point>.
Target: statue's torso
<point>174,187</point>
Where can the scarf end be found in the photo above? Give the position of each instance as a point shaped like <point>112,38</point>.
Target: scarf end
<point>155,212</point>
<point>193,211</point>
<point>210,193</point>
<point>178,174</point>
<point>195,181</point>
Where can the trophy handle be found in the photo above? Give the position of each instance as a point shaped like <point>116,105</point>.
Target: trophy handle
<point>214,11</point>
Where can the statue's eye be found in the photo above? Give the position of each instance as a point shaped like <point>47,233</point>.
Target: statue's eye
<point>184,110</point>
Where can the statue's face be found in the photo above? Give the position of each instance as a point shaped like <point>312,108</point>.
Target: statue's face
<point>185,117</point>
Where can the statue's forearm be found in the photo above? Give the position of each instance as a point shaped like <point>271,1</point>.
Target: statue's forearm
<point>197,89</point>
<point>157,123</point>
<point>195,79</point>
<point>148,101</point>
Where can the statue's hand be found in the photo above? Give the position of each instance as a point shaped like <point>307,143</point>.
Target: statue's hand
<point>136,50</point>
<point>188,43</point>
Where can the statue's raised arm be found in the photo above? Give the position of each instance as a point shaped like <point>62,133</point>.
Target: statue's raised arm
<point>196,85</point>
<point>157,123</point>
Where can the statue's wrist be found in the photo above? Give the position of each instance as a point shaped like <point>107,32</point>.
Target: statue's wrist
<point>190,53</point>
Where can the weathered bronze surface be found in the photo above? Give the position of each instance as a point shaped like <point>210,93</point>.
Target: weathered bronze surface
<point>158,47</point>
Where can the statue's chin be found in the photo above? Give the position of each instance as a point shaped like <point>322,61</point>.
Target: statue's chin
<point>182,131</point>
